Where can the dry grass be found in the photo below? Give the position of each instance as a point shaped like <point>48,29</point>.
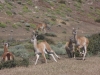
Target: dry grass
<point>65,66</point>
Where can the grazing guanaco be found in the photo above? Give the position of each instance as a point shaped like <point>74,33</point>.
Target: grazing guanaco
<point>80,42</point>
<point>7,55</point>
<point>42,48</point>
<point>42,27</point>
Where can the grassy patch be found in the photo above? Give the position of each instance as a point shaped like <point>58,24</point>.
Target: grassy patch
<point>9,6</point>
<point>97,11</point>
<point>33,26</point>
<point>9,13</point>
<point>91,16</point>
<point>25,9</point>
<point>28,29</point>
<point>77,4</point>
<point>14,26</point>
<point>1,6</point>
<point>58,11</point>
<point>2,25</point>
<point>29,2</point>
<point>68,9</point>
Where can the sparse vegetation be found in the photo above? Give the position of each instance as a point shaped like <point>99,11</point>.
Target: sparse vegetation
<point>2,25</point>
<point>14,26</point>
<point>1,7</point>
<point>9,6</point>
<point>33,26</point>
<point>9,13</point>
<point>27,28</point>
<point>78,5</point>
<point>25,9</point>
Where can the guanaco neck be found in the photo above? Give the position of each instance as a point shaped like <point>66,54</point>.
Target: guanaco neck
<point>75,38</point>
<point>5,49</point>
<point>35,44</point>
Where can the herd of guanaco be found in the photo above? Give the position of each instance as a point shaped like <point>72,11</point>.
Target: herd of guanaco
<point>75,43</point>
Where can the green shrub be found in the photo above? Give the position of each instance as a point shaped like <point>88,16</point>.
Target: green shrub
<point>15,26</point>
<point>25,9</point>
<point>2,25</point>
<point>19,24</point>
<point>9,13</point>
<point>62,2</point>
<point>27,24</point>
<point>78,5</point>
<point>9,5</point>
<point>59,48</point>
<point>7,64</point>
<point>29,2</point>
<point>68,9</point>
<point>1,6</point>
<point>97,20</point>
<point>94,44</point>
<point>23,62</point>
<point>80,1</point>
<point>51,34</point>
<point>28,29</point>
<point>33,26</point>
<point>14,63</point>
<point>19,51</point>
<point>43,37</point>
<point>29,46</point>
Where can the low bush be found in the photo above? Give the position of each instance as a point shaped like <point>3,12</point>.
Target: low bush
<point>97,20</point>
<point>94,44</point>
<point>59,48</point>
<point>2,25</point>
<point>9,13</point>
<point>51,34</point>
<point>14,63</point>
<point>43,37</point>
<point>7,64</point>
<point>25,9</point>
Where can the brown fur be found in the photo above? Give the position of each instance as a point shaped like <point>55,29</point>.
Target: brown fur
<point>7,55</point>
<point>43,48</point>
<point>80,42</point>
<point>41,27</point>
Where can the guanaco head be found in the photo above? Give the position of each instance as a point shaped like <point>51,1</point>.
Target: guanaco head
<point>74,31</point>
<point>6,45</point>
<point>34,36</point>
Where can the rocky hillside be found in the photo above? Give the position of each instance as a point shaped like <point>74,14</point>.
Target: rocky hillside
<point>19,17</point>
